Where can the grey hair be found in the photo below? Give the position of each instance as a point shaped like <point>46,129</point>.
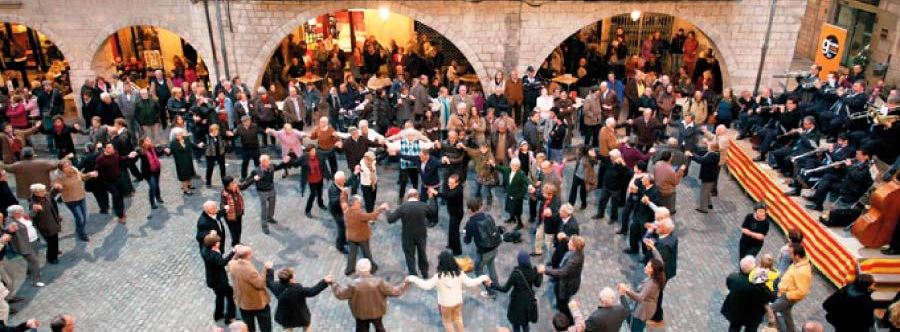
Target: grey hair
<point>748,263</point>
<point>355,199</point>
<point>610,121</point>
<point>12,209</point>
<point>339,174</point>
<point>608,297</point>
<point>412,193</point>
<point>364,265</point>
<point>515,161</point>
<point>567,207</point>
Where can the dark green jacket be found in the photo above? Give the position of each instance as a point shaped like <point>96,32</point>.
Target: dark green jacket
<point>518,187</point>
<point>146,112</point>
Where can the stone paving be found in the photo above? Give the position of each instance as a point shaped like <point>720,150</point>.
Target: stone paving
<point>148,275</point>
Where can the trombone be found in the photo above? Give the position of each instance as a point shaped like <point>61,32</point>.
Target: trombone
<point>807,154</point>
<point>806,172</point>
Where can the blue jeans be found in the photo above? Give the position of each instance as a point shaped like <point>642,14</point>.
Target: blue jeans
<point>485,260</point>
<point>79,211</point>
<point>555,154</point>
<point>153,195</point>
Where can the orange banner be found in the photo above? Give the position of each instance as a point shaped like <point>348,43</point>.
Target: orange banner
<point>832,42</point>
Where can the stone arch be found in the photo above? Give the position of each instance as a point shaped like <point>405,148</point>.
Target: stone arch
<point>723,55</point>
<point>200,44</point>
<point>38,26</point>
<point>258,63</point>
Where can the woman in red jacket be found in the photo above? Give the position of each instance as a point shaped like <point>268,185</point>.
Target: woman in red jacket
<point>16,113</point>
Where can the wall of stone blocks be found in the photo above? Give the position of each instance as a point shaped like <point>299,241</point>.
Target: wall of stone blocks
<point>493,35</point>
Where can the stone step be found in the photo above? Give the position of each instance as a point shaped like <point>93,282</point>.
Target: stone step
<point>883,295</point>
<point>887,279</point>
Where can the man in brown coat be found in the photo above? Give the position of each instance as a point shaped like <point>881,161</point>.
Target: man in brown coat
<point>294,110</point>
<point>608,142</point>
<point>367,296</point>
<point>359,232</point>
<point>515,96</point>
<point>645,127</point>
<point>250,293</point>
<point>29,171</point>
<point>667,179</point>
<point>12,141</point>
<point>592,117</point>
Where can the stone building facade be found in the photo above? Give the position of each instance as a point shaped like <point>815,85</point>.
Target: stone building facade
<point>884,42</point>
<point>493,35</point>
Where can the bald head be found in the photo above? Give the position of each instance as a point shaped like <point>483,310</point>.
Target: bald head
<point>813,326</point>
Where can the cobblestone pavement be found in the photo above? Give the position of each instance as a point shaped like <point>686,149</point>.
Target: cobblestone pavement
<point>148,275</point>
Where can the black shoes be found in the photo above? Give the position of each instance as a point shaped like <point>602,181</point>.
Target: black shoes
<point>814,207</point>
<point>701,211</point>
<point>597,216</point>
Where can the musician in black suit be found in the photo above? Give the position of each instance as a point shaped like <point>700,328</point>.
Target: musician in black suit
<point>781,122</point>
<point>839,151</point>
<point>807,140</point>
<point>216,279</point>
<point>209,221</point>
<point>413,215</point>
<point>855,183</point>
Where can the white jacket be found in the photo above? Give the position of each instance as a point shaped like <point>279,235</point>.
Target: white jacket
<point>449,288</point>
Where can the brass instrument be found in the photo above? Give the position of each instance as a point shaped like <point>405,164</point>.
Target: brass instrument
<point>806,172</point>
<point>807,154</point>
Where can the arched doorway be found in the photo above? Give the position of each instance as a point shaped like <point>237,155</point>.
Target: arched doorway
<point>29,56</point>
<point>652,43</point>
<point>135,52</point>
<point>357,44</point>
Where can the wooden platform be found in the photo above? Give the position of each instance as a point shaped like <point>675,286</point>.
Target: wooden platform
<point>834,251</point>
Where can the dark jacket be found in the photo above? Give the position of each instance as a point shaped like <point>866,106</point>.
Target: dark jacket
<point>688,136</point>
<point>429,174</point>
<point>47,220</point>
<point>745,302</point>
<point>455,199</point>
<point>146,112</point>
<point>570,228</point>
<point>292,310</point>
<point>215,263</point>
<point>249,136</point>
<point>205,224</point>
<point>642,212</point>
<point>303,163</point>
<point>668,251</point>
<point>709,166</point>
<point>568,274</point>
<point>520,281</point>
<point>518,187</point>
<point>334,199</point>
<point>473,230</point>
<point>413,215</point>
<point>850,309</point>
<point>606,319</point>
<point>616,177</point>
<point>355,149</point>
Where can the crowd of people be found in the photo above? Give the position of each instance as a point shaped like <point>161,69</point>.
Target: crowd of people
<point>627,139</point>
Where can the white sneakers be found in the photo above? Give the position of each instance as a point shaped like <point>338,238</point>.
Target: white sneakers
<point>39,284</point>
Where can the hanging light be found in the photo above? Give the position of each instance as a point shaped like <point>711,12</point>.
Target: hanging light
<point>635,15</point>
<point>384,13</point>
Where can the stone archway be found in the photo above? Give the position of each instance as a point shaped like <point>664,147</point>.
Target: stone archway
<point>445,27</point>
<point>54,37</point>
<point>724,54</point>
<point>84,66</point>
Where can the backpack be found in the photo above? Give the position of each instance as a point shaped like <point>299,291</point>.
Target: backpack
<point>490,235</point>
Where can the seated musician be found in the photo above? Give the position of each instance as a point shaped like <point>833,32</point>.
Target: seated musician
<point>807,140</point>
<point>782,123</point>
<point>750,119</point>
<point>828,173</point>
<point>849,103</point>
<point>855,183</point>
<point>806,84</point>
